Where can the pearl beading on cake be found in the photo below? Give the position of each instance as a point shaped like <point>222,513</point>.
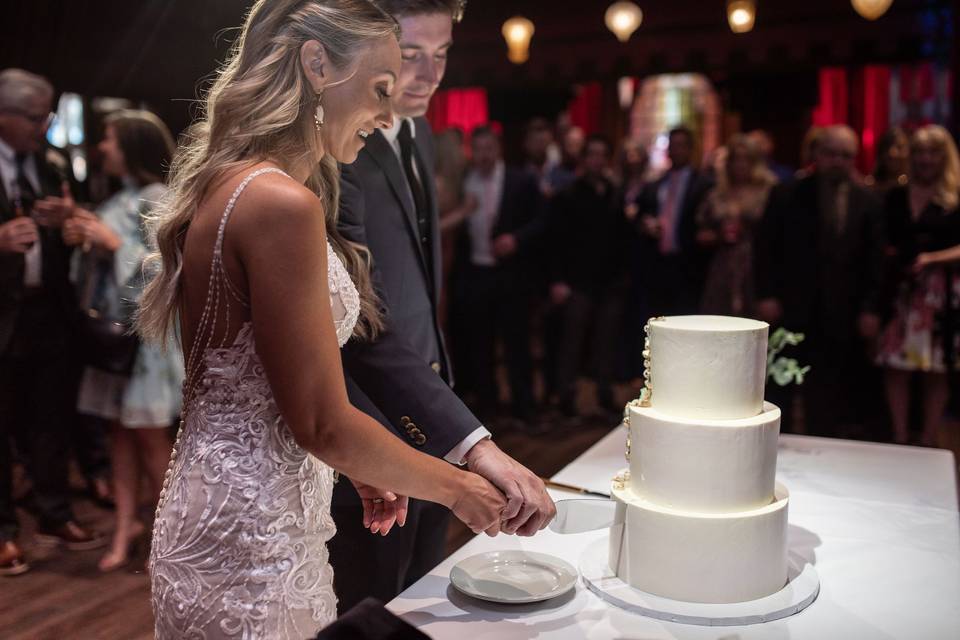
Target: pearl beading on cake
<point>646,393</point>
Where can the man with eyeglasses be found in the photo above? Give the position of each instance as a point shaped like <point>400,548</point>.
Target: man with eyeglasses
<point>819,260</point>
<point>36,304</point>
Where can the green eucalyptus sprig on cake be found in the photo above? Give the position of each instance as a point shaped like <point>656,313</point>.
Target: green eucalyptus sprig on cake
<point>781,369</point>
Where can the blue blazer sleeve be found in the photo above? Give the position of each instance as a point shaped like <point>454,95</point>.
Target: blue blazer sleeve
<point>416,402</point>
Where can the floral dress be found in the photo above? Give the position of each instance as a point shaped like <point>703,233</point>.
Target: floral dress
<point>923,333</point>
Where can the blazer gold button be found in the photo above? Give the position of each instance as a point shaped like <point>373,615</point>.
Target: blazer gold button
<point>405,420</point>
<point>421,439</point>
<point>435,366</point>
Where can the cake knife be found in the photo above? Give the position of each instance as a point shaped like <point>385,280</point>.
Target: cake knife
<point>583,514</point>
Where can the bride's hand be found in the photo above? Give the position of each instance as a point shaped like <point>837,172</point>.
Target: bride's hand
<point>381,509</point>
<point>480,506</point>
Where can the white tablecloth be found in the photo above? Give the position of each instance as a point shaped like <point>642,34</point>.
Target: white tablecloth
<point>880,521</point>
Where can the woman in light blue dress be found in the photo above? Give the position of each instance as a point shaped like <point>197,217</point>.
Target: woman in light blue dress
<point>136,148</point>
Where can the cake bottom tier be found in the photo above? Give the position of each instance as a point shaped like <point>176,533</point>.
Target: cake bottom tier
<point>700,557</point>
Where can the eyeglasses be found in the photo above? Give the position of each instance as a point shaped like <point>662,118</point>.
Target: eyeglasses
<point>39,119</point>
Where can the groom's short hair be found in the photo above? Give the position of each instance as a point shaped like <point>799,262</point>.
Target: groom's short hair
<point>403,8</point>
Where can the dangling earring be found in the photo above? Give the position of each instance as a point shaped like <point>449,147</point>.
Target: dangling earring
<point>318,114</point>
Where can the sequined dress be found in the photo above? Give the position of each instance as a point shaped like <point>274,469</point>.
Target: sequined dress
<point>239,542</point>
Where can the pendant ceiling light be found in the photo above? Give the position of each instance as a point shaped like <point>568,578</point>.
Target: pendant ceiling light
<point>871,9</point>
<point>741,14</point>
<point>518,31</point>
<point>623,18</point>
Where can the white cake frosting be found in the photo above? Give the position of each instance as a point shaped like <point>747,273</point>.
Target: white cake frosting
<point>708,466</point>
<point>698,557</point>
<point>708,366</point>
<point>700,516</point>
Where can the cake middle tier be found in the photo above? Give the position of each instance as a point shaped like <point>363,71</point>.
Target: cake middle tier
<point>708,466</point>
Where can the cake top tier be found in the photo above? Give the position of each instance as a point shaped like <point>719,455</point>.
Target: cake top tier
<point>707,366</point>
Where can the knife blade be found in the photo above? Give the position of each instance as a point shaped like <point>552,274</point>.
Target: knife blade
<point>583,514</point>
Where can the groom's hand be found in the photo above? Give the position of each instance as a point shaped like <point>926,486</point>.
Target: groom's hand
<point>529,507</point>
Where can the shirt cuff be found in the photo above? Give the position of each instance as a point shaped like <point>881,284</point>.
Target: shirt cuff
<point>459,452</point>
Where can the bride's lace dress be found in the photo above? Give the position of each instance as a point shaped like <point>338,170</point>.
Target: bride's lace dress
<point>239,543</point>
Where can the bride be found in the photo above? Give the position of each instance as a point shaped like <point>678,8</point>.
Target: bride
<point>262,291</point>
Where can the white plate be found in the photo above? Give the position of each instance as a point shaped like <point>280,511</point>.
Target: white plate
<point>513,577</point>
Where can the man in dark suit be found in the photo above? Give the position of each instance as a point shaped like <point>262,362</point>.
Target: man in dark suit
<point>672,265</point>
<point>819,261</point>
<point>35,306</point>
<point>498,273</point>
<point>589,244</point>
<point>403,378</point>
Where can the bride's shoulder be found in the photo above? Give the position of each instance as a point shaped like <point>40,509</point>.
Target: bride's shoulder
<point>274,203</point>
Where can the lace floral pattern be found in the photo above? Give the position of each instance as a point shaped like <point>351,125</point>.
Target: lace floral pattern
<point>239,542</point>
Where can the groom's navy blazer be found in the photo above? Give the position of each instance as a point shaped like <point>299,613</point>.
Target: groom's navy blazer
<point>403,378</point>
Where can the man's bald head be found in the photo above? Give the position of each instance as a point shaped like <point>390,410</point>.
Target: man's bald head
<point>837,152</point>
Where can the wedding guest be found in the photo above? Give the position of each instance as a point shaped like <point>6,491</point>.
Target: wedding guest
<point>808,151</point>
<point>818,268</point>
<point>727,223</point>
<point>140,404</point>
<point>498,274</point>
<point>893,161</point>
<point>538,146</point>
<point>589,236</point>
<point>666,222</point>
<point>923,336</point>
<point>36,308</point>
<point>454,204</point>
<point>766,146</point>
<point>565,172</point>
<point>634,165</point>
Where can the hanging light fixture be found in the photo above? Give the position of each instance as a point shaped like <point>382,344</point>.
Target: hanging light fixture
<point>623,18</point>
<point>871,9</point>
<point>518,31</point>
<point>741,14</point>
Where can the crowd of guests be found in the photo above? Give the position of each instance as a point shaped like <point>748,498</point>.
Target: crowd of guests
<point>71,377</point>
<point>560,260</point>
<point>553,265</point>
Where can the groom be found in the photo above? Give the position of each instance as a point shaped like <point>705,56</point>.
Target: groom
<point>403,379</point>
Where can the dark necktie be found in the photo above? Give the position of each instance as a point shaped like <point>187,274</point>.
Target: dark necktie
<point>27,195</point>
<point>409,160</point>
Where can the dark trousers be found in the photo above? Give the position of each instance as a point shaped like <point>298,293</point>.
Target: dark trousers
<point>496,305</point>
<point>91,445</point>
<point>34,409</point>
<point>831,394</point>
<point>591,323</point>
<point>368,565</point>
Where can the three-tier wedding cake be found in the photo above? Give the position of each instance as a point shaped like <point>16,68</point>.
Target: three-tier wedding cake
<point>700,516</point>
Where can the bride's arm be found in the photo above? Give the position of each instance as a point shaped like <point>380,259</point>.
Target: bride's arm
<point>281,243</point>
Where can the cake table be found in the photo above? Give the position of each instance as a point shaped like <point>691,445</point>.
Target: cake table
<point>880,522</point>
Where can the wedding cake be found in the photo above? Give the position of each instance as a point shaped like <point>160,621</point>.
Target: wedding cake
<point>700,516</point>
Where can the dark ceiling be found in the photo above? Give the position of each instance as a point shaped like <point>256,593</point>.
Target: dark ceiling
<point>160,50</point>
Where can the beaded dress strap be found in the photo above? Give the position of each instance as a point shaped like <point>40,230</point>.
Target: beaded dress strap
<point>219,287</point>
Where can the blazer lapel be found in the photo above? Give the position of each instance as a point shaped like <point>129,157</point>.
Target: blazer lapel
<point>384,155</point>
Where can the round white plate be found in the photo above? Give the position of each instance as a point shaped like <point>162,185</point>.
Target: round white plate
<point>513,577</point>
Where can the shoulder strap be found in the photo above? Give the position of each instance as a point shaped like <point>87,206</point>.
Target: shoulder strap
<point>218,287</point>
<point>218,246</point>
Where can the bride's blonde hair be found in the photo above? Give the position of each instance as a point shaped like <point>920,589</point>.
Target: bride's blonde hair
<point>261,106</point>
